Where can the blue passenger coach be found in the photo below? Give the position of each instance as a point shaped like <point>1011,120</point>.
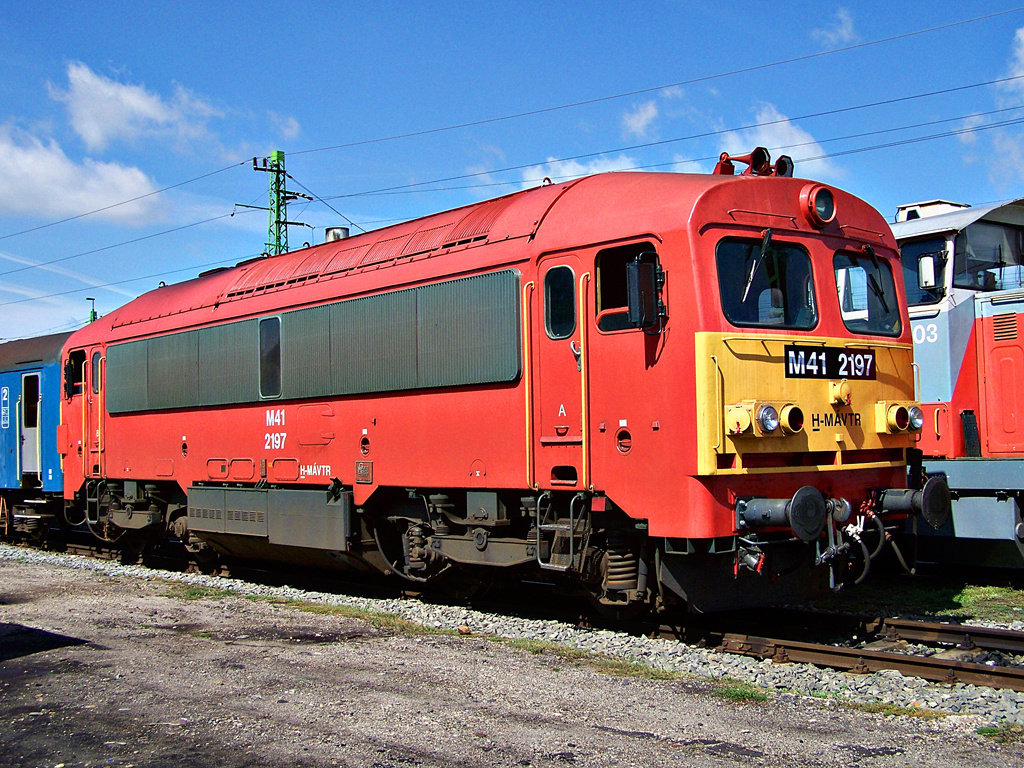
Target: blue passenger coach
<point>31,479</point>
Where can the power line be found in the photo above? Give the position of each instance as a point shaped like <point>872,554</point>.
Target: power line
<point>827,155</point>
<point>704,135</point>
<point>543,110</point>
<point>116,245</point>
<point>320,199</point>
<point>208,265</point>
<point>123,202</point>
<point>639,92</point>
<point>917,140</point>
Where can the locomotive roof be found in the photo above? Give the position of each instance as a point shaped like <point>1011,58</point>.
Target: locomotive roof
<point>432,247</point>
<point>1009,213</point>
<point>41,350</point>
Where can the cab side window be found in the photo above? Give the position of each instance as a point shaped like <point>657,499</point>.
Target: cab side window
<point>612,297</point>
<point>94,372</point>
<point>270,357</point>
<point>74,374</point>
<point>559,302</point>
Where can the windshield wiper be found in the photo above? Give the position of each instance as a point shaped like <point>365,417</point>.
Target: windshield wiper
<point>766,240</point>
<point>875,287</point>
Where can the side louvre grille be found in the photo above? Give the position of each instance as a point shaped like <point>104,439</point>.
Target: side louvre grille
<point>1004,327</point>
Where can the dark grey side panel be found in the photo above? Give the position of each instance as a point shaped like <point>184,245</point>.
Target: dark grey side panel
<point>456,333</point>
<point>245,511</point>
<point>228,367</point>
<point>310,519</point>
<point>128,390</point>
<point>206,509</point>
<point>468,331</point>
<point>375,349</point>
<point>173,370</point>
<point>292,518</point>
<point>306,352</point>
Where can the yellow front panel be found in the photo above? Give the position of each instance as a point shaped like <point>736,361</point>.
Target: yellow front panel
<point>741,371</point>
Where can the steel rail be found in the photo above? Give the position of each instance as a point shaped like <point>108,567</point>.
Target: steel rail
<point>961,635</point>
<point>862,661</point>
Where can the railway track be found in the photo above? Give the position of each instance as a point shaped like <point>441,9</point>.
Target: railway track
<point>876,654</point>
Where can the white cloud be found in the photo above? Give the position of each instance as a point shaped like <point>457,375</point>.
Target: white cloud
<point>780,136</point>
<point>41,181</point>
<point>56,269</point>
<point>638,120</point>
<point>1015,69</point>
<point>839,32</point>
<point>969,136</point>
<point>103,110</point>
<point>50,313</point>
<point>288,127</point>
<point>564,170</point>
<point>1006,168</point>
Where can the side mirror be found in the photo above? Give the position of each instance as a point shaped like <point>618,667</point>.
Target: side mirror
<point>69,386</point>
<point>642,293</point>
<point>926,272</point>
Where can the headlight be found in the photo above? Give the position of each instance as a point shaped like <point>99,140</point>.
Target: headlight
<point>898,418</point>
<point>819,205</point>
<point>792,419</point>
<point>824,205</point>
<point>768,418</point>
<point>916,416</point>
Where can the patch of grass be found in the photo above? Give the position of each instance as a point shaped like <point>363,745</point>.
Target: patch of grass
<point>1006,733</point>
<point>624,668</point>
<point>929,595</point>
<point>538,647</point>
<point>605,664</point>
<point>386,622</point>
<point>992,602</point>
<point>191,592</point>
<point>739,692</point>
<point>892,710</point>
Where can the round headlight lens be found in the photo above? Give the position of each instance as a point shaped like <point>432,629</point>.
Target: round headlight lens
<point>819,205</point>
<point>824,205</point>
<point>768,418</point>
<point>898,418</point>
<point>792,419</point>
<point>916,417</point>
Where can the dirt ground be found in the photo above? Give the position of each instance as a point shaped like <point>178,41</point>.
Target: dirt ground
<point>126,672</point>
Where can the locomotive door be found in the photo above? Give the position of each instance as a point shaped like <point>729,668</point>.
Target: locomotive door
<point>28,413</point>
<point>559,374</point>
<point>92,391</point>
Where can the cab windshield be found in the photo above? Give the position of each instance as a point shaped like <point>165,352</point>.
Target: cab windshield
<point>766,286</point>
<point>868,302</point>
<point>988,257</point>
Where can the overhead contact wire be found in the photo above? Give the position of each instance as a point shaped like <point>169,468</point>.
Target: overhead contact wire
<point>704,135</point>
<point>543,110</point>
<point>642,91</point>
<point>123,202</point>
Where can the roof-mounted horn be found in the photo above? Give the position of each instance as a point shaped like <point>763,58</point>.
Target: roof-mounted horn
<point>759,163</point>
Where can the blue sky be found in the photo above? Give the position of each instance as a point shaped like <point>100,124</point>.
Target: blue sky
<point>105,102</point>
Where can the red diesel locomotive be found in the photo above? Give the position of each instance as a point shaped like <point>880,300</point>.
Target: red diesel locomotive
<point>666,388</point>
